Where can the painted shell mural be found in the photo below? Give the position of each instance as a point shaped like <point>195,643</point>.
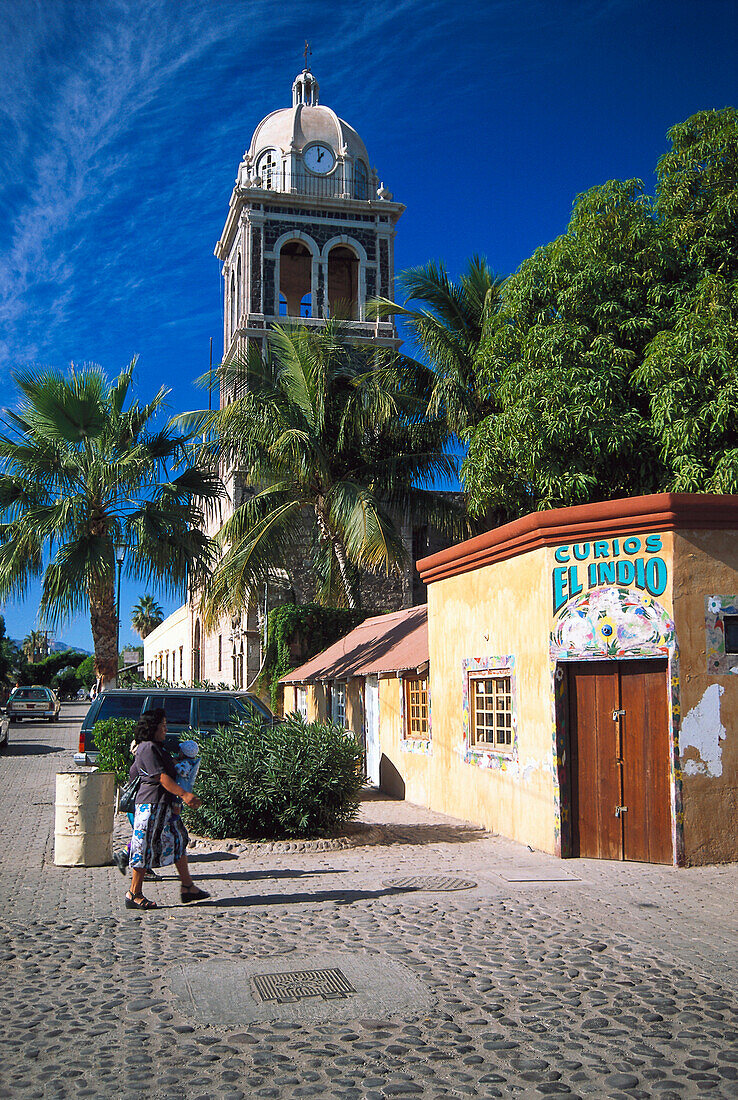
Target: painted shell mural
<point>612,621</point>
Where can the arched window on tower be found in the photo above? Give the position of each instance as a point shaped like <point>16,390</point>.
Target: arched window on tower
<point>343,283</point>
<point>295,277</point>
<point>233,306</point>
<point>238,291</point>
<point>361,180</point>
<point>306,306</point>
<point>282,306</point>
<point>267,170</point>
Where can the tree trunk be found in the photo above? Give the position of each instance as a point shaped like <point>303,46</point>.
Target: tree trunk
<point>104,623</point>
<point>340,553</point>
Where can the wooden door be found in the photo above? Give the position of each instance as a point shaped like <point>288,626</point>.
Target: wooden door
<point>619,760</point>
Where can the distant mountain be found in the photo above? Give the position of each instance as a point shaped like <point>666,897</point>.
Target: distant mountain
<point>56,647</point>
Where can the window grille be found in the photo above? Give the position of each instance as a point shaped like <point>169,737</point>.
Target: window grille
<point>416,708</point>
<point>338,704</point>
<point>492,717</point>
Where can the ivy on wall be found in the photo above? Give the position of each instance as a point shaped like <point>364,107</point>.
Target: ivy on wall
<point>296,632</point>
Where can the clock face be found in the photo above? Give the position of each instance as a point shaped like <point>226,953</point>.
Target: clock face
<point>319,158</point>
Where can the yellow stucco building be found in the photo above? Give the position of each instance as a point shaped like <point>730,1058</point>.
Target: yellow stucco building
<point>582,688</point>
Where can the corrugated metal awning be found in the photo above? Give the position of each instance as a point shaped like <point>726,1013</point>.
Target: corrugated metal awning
<point>385,644</point>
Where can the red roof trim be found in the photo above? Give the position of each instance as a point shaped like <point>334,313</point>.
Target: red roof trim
<point>628,515</point>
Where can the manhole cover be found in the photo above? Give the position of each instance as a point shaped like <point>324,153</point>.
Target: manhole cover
<point>286,988</point>
<point>312,987</point>
<point>432,882</point>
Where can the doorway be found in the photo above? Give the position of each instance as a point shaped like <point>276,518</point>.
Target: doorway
<point>371,712</point>
<point>619,760</point>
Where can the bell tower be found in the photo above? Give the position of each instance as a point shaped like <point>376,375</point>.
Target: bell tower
<point>310,229</point>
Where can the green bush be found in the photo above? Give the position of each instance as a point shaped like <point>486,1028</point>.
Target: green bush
<point>113,737</point>
<point>294,779</point>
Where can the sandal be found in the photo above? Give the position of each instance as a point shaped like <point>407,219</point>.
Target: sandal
<point>193,893</point>
<point>139,902</point>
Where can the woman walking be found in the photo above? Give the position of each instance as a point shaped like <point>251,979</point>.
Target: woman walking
<point>159,837</point>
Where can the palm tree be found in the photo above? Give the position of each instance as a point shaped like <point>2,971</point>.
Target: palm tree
<point>80,473</point>
<point>449,320</point>
<point>34,645</point>
<point>333,434</point>
<point>146,616</point>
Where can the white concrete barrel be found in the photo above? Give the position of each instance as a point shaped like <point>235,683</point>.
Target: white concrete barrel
<point>83,828</point>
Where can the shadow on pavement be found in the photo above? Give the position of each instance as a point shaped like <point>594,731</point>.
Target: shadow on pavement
<point>211,857</point>
<point>254,876</point>
<point>340,897</point>
<point>430,834</point>
<point>31,748</point>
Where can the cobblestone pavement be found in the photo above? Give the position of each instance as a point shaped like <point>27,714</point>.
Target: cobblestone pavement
<point>544,977</point>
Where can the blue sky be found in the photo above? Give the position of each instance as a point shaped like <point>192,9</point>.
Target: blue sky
<point>122,123</point>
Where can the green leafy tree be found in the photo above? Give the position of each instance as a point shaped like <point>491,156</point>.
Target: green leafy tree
<point>146,616</point>
<point>8,654</point>
<point>448,320</point>
<point>613,353</point>
<point>331,435</point>
<point>86,672</point>
<point>80,472</point>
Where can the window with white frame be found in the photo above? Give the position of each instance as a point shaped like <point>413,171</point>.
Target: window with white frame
<point>301,701</point>
<point>416,708</point>
<point>491,713</point>
<point>338,703</point>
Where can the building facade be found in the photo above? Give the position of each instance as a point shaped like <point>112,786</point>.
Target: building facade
<point>581,695</point>
<point>309,235</point>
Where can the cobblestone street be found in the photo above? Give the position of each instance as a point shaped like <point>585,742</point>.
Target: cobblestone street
<point>528,977</point>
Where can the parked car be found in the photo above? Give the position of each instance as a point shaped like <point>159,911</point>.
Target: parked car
<point>190,712</point>
<point>32,702</point>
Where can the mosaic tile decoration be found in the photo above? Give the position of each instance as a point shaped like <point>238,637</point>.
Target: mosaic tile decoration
<point>719,663</point>
<point>618,624</point>
<point>488,758</point>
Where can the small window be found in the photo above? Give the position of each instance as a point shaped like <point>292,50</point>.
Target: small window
<point>416,708</point>
<point>361,181</point>
<point>338,704</point>
<point>216,712</point>
<point>491,717</point>
<point>730,624</point>
<point>176,708</point>
<point>301,701</point>
<point>220,653</point>
<point>120,706</point>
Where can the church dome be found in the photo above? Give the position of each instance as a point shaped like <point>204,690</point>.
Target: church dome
<point>307,147</point>
<point>298,126</point>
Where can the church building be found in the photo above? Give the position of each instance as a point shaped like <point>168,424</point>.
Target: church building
<point>309,235</point>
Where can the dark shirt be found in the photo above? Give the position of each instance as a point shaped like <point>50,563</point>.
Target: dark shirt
<point>150,760</point>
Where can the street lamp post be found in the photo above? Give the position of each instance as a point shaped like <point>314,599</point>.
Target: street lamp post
<point>120,557</point>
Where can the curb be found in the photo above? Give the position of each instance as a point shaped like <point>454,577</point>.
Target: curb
<point>358,836</point>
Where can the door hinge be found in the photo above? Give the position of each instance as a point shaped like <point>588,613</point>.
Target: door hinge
<point>620,810</point>
<point>616,714</point>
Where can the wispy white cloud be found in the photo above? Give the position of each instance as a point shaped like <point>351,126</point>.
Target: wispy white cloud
<point>116,115</point>
<point>88,92</point>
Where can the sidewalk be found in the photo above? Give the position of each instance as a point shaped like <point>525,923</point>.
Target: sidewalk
<point>509,973</point>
